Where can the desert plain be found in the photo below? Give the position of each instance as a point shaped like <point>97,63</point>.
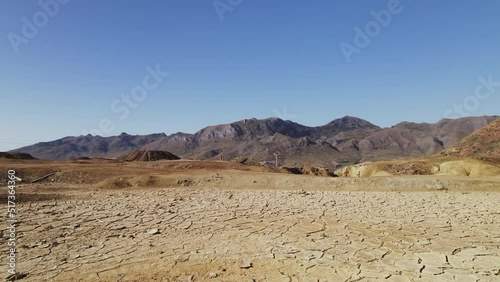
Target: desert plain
<point>102,220</point>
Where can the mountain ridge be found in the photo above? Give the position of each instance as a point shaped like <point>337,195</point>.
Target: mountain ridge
<point>344,140</point>
<point>483,144</point>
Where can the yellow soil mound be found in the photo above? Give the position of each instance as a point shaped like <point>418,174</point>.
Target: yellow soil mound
<point>437,166</point>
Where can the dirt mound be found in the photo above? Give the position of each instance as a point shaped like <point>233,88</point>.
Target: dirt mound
<point>411,168</point>
<point>316,171</point>
<point>245,161</point>
<point>427,166</point>
<point>468,168</point>
<point>148,156</point>
<point>115,183</point>
<point>82,159</point>
<point>16,156</point>
<point>155,181</point>
<point>359,170</point>
<point>482,144</point>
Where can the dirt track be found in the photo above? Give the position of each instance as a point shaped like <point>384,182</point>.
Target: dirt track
<point>216,231</point>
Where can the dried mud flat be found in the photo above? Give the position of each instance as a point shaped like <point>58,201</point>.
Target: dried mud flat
<point>221,232</point>
<point>201,235</point>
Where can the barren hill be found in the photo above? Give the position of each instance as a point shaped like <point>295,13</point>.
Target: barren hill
<point>89,146</point>
<point>16,156</point>
<point>147,156</point>
<point>483,144</point>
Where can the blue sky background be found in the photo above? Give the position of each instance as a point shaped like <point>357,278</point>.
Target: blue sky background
<point>264,56</point>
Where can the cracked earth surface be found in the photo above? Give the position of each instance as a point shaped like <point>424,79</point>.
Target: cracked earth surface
<point>182,234</point>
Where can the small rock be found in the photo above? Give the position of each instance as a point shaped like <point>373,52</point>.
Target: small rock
<point>154,232</point>
<point>186,225</point>
<point>17,276</point>
<point>303,192</point>
<point>213,275</point>
<point>246,265</point>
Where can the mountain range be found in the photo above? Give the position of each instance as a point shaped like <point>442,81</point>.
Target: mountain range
<point>342,141</point>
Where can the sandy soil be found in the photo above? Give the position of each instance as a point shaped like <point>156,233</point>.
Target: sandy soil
<point>213,221</point>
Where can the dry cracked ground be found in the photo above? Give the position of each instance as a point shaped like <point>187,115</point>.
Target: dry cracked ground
<point>187,234</point>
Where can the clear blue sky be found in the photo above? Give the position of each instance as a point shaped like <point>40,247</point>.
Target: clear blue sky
<point>263,56</point>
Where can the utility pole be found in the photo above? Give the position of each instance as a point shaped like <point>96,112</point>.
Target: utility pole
<point>276,155</point>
